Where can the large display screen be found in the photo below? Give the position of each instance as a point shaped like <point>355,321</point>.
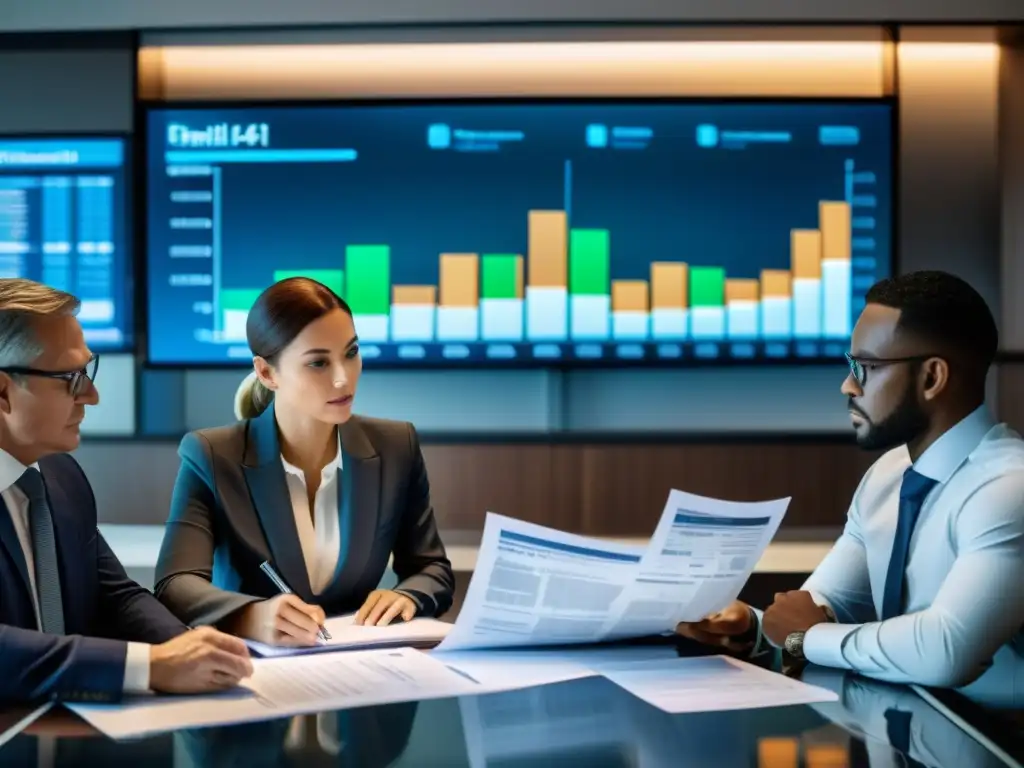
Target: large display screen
<point>537,232</point>
<point>63,221</point>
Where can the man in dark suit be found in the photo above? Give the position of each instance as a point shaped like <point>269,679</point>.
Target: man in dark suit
<point>73,626</point>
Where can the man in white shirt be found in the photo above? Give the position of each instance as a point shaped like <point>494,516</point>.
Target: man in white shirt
<point>925,584</point>
<point>73,626</point>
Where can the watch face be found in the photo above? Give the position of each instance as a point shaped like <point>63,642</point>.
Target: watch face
<point>795,644</point>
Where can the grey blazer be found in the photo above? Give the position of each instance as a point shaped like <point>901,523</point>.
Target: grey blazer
<point>231,511</point>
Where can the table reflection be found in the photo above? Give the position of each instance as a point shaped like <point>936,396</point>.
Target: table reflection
<point>369,737</point>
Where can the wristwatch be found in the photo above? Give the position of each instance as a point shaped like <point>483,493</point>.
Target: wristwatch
<point>794,644</point>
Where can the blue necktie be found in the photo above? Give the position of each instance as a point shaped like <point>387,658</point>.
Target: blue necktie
<point>912,495</point>
<point>44,552</point>
<point>897,727</point>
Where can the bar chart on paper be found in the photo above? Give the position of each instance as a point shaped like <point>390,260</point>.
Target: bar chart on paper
<point>549,233</point>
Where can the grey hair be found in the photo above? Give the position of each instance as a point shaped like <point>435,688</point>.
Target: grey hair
<point>22,303</point>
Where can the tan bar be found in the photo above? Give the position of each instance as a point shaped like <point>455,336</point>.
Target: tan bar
<point>519,277</point>
<point>834,220</point>
<point>741,289</point>
<point>777,283</point>
<point>547,239</point>
<point>778,753</point>
<point>460,280</point>
<point>826,756</point>
<point>420,295</point>
<point>805,253</point>
<point>669,284</point>
<point>629,295</point>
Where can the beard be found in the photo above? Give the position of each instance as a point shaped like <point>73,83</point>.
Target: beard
<point>907,422</point>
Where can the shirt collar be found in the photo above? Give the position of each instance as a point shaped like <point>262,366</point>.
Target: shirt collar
<point>11,470</point>
<point>945,455</point>
<point>328,471</point>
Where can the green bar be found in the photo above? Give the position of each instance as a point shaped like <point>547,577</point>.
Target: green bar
<point>332,278</point>
<point>369,279</point>
<point>707,287</point>
<point>238,299</point>
<point>499,277</point>
<point>588,262</point>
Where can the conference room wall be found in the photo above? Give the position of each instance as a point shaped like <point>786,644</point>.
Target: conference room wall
<point>225,14</point>
<point>777,402</point>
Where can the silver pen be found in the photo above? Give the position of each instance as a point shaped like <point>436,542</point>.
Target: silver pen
<point>284,589</point>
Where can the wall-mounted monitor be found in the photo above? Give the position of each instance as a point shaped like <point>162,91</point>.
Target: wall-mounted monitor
<point>64,222</point>
<point>561,233</point>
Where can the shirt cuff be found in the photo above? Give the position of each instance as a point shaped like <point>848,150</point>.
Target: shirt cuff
<point>823,644</point>
<point>136,668</point>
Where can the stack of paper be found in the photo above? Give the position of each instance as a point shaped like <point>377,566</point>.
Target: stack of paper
<point>346,635</point>
<point>535,586</point>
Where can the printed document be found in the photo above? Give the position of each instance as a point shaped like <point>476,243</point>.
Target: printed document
<point>702,553</point>
<point>288,686</point>
<point>709,684</point>
<point>535,586</point>
<point>346,635</point>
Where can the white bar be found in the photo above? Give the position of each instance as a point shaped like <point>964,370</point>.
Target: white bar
<point>631,326</point>
<point>742,317</point>
<point>708,323</point>
<point>670,323</point>
<point>8,246</point>
<point>777,317</point>
<point>547,316</point>
<point>234,324</point>
<point>96,311</point>
<point>412,322</point>
<point>590,317</point>
<point>501,319</point>
<point>57,248</point>
<point>458,324</point>
<point>372,327</point>
<point>806,308</point>
<point>835,289</point>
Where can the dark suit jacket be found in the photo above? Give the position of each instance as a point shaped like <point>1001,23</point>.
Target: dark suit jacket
<point>231,511</point>
<point>103,608</point>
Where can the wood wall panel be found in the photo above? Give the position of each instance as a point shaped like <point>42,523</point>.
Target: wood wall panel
<point>618,489</point>
<point>534,482</point>
<point>1011,394</point>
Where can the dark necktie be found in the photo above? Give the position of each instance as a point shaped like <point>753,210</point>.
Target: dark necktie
<point>897,727</point>
<point>44,552</point>
<point>912,495</point>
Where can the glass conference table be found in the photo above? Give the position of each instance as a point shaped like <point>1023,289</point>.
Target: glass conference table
<point>591,723</point>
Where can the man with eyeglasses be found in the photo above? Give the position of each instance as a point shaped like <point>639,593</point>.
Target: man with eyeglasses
<point>926,583</point>
<point>73,626</point>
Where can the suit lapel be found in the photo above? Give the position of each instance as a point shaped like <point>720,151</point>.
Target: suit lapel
<point>358,506</point>
<point>269,490</point>
<point>10,542</point>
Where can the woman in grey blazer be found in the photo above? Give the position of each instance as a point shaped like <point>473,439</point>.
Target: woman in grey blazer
<point>324,496</point>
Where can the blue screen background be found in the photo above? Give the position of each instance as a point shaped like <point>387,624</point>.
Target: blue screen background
<point>725,194</point>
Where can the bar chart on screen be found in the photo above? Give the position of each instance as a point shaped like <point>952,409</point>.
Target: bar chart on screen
<point>614,251</point>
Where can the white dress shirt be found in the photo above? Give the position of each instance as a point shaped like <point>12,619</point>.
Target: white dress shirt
<point>964,601</point>
<point>136,670</point>
<point>319,529</point>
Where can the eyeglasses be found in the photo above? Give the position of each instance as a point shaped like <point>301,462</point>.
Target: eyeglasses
<point>77,380</point>
<point>859,365</point>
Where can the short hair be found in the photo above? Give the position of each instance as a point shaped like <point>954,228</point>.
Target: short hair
<point>22,303</point>
<point>280,314</point>
<point>943,310</point>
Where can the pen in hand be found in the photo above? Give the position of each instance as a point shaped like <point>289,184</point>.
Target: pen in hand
<point>284,589</point>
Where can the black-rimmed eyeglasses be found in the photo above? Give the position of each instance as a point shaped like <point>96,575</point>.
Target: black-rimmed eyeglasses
<point>77,380</point>
<point>859,365</point>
